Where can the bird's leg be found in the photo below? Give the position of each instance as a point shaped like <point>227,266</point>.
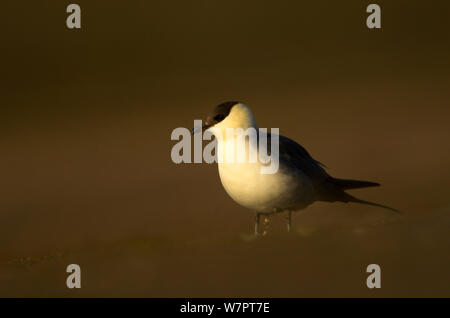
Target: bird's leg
<point>265,224</point>
<point>289,219</point>
<point>257,224</point>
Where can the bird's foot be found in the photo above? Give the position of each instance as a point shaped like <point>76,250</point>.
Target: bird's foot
<point>265,225</point>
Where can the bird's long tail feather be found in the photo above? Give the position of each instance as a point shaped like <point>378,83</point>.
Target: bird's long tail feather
<point>334,190</point>
<point>356,200</point>
<point>346,184</point>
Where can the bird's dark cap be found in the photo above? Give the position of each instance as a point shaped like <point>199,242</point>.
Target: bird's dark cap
<point>219,113</point>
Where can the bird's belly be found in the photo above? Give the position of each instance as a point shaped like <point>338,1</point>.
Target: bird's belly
<point>265,193</point>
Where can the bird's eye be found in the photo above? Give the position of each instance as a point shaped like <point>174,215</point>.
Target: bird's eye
<point>219,117</point>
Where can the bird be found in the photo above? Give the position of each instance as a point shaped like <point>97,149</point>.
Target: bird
<point>299,181</point>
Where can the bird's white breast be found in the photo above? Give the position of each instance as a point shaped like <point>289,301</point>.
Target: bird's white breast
<point>266,193</point>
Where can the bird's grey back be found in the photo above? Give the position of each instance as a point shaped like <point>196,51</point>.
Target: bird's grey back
<point>294,157</point>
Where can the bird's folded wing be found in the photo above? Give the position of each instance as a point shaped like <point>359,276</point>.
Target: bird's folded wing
<point>294,156</point>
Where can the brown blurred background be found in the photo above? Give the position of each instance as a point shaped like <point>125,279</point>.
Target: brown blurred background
<point>85,123</point>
